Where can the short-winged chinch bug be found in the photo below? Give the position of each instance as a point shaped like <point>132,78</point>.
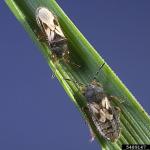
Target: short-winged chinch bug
<point>105,116</point>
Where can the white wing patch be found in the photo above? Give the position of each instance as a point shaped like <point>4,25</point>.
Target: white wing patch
<point>106,103</point>
<point>48,23</point>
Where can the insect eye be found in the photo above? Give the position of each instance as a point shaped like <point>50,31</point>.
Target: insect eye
<point>55,22</point>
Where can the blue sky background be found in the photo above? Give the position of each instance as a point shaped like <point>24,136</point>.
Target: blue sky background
<point>35,112</point>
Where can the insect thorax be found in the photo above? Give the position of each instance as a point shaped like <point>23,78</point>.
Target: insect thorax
<point>59,47</point>
<point>94,93</point>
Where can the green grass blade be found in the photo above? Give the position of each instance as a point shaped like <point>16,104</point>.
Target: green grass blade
<point>135,122</point>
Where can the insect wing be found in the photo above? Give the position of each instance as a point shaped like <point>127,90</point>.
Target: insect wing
<point>48,23</point>
<point>109,129</point>
<point>96,121</point>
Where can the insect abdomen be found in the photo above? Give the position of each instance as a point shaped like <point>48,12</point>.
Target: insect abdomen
<point>110,129</point>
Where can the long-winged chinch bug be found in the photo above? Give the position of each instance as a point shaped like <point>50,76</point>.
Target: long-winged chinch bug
<point>53,35</point>
<point>105,116</point>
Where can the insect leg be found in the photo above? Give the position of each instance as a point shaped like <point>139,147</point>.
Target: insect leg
<point>41,36</point>
<point>67,60</point>
<point>54,60</point>
<point>92,134</point>
<point>118,109</point>
<point>53,57</point>
<point>112,98</point>
<point>66,56</point>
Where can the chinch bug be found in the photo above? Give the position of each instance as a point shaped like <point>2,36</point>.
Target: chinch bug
<point>53,35</point>
<point>104,115</point>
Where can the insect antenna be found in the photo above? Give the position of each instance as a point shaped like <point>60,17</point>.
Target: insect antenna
<point>68,61</point>
<point>78,83</point>
<point>74,64</point>
<point>98,71</point>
